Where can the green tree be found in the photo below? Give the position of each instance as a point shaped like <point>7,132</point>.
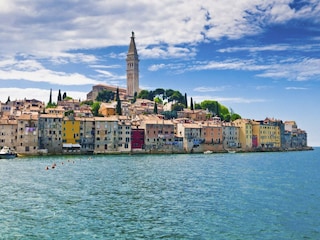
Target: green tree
<point>51,105</point>
<point>95,108</point>
<point>168,94</point>
<point>185,100</point>
<point>197,106</point>
<point>105,96</point>
<point>169,114</point>
<point>158,100</point>
<point>118,109</point>
<point>87,102</point>
<point>159,92</point>
<point>64,96</point>
<point>224,113</point>
<point>210,105</point>
<point>155,109</point>
<point>235,116</point>
<point>50,97</point>
<point>177,107</point>
<point>59,96</point>
<point>191,104</point>
<point>134,97</point>
<point>177,96</point>
<point>143,94</point>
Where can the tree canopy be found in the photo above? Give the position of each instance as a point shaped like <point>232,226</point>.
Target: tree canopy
<point>218,109</point>
<point>105,96</point>
<point>169,95</point>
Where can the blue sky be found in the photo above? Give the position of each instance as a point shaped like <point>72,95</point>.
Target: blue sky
<point>260,58</point>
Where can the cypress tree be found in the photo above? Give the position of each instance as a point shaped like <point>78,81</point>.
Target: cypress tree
<point>155,109</point>
<point>118,109</point>
<point>64,95</point>
<point>191,104</point>
<point>59,96</point>
<point>50,97</point>
<point>185,100</point>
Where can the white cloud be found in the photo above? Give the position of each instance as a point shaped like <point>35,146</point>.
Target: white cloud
<point>68,25</point>
<point>209,89</point>
<point>31,70</point>
<point>296,88</point>
<point>299,70</point>
<point>36,93</point>
<point>226,100</point>
<point>273,47</point>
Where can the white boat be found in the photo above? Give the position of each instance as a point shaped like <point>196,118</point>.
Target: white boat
<point>7,153</point>
<point>208,152</point>
<point>231,151</point>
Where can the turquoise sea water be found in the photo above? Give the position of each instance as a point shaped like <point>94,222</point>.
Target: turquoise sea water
<point>187,196</point>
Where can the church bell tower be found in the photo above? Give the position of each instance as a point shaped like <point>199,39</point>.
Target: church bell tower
<point>132,69</point>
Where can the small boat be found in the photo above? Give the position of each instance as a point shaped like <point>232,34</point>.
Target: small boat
<point>231,151</point>
<point>208,152</point>
<point>7,153</point>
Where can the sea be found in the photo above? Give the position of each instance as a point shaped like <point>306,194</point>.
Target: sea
<point>273,195</point>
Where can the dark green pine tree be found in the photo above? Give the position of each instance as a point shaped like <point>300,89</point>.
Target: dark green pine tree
<point>191,104</point>
<point>155,109</point>
<point>59,96</point>
<point>64,95</point>
<point>186,100</point>
<point>50,97</point>
<point>118,109</point>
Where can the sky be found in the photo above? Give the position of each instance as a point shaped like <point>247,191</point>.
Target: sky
<point>260,58</point>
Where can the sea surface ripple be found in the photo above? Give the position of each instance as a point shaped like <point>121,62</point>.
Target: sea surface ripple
<point>184,196</point>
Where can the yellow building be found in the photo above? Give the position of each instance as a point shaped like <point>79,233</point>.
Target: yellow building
<point>245,133</point>
<point>107,109</point>
<point>267,135</point>
<point>71,130</point>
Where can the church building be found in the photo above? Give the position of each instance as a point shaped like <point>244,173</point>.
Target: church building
<point>132,77</point>
<point>132,69</point>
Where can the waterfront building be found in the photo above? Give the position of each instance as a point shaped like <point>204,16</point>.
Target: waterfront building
<point>159,133</point>
<point>212,132</point>
<point>137,139</point>
<point>132,69</point>
<point>291,126</point>
<point>71,130</point>
<point>8,132</point>
<point>299,140</point>
<point>124,134</point>
<point>106,134</point>
<point>191,135</point>
<point>50,132</point>
<point>27,134</point>
<point>71,134</point>
<point>87,134</point>
<point>267,135</point>
<point>295,137</point>
<point>231,135</point>
<point>245,133</point>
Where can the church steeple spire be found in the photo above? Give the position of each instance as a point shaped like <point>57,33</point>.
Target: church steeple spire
<point>132,68</point>
<point>132,47</point>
